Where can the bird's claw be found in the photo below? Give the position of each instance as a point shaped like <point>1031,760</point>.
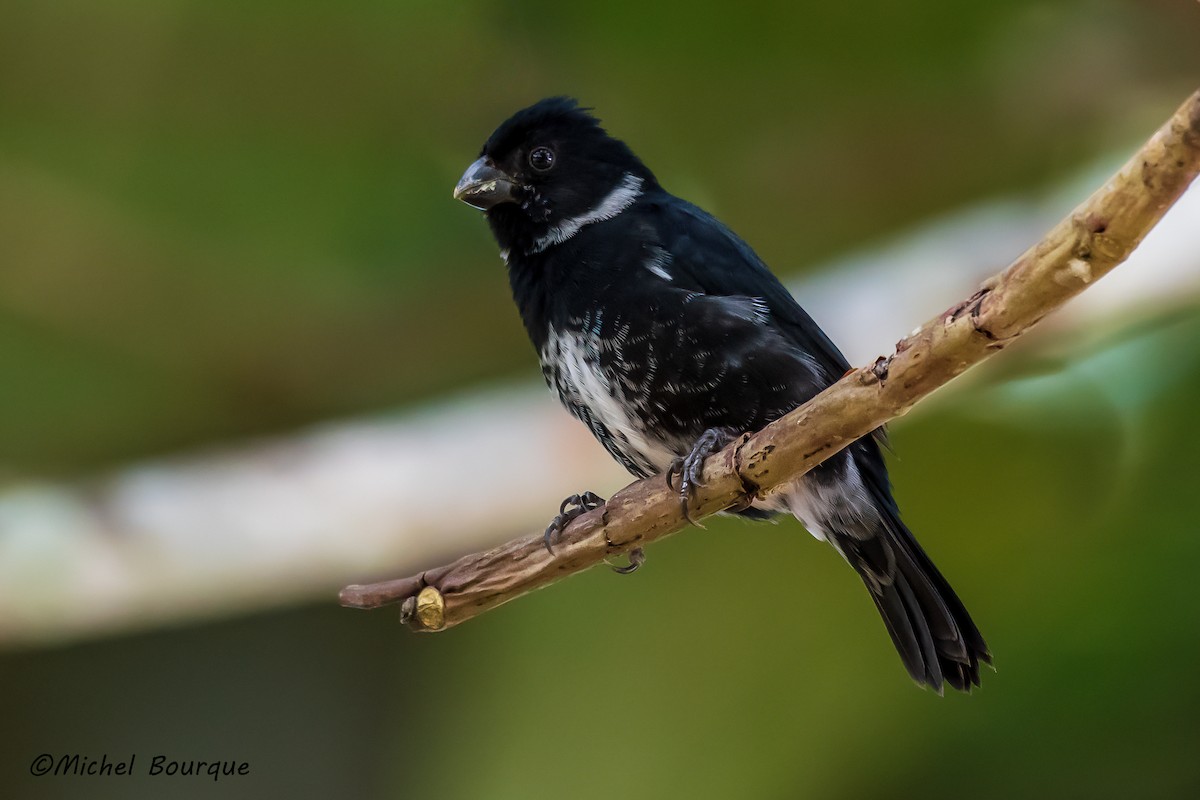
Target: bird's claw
<point>689,468</point>
<point>637,557</point>
<point>574,506</point>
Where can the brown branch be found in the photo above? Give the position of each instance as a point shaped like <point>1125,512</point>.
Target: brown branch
<point>1082,248</point>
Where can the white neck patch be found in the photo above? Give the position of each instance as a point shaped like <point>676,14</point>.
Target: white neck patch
<point>619,199</point>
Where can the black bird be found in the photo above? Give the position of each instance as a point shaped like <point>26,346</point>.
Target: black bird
<point>666,335</point>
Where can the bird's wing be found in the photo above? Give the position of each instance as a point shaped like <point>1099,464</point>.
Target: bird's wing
<point>714,260</point>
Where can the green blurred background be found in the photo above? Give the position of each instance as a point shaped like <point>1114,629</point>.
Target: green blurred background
<point>221,220</point>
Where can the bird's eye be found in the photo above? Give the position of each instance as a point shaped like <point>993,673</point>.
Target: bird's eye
<point>541,158</point>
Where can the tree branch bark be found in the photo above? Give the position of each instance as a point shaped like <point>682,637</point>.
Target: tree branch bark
<point>1091,241</point>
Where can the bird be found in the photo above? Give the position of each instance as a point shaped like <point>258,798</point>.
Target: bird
<point>667,336</point>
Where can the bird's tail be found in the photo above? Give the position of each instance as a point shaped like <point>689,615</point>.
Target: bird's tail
<point>935,636</point>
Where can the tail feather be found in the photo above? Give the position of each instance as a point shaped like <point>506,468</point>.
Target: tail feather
<point>847,501</point>
<point>909,631</point>
<point>933,633</point>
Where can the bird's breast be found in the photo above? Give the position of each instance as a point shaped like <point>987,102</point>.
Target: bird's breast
<point>588,364</point>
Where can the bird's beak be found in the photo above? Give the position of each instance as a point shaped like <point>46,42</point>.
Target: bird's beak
<point>483,186</point>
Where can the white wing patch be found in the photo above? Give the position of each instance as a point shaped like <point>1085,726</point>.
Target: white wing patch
<point>658,262</point>
<point>762,311</point>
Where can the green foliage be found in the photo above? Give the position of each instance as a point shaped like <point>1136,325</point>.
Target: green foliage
<point>239,214</point>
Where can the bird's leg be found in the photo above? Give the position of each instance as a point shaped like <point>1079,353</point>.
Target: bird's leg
<point>690,467</point>
<point>574,506</point>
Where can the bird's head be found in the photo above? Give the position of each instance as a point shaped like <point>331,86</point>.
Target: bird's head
<point>548,170</point>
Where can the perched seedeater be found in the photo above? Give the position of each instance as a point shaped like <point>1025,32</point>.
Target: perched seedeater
<point>667,336</point>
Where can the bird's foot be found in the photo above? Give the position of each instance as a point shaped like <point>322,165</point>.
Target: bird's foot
<point>637,557</point>
<point>690,467</point>
<point>574,506</point>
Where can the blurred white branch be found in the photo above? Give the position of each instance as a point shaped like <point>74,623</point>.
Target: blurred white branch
<point>270,522</point>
